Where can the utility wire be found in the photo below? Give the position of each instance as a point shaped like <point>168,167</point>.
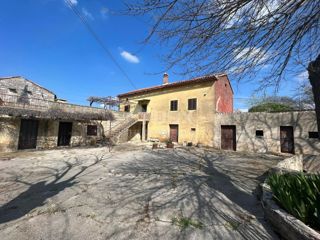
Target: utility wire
<point>99,41</point>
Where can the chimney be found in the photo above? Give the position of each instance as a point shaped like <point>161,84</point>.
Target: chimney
<point>165,79</point>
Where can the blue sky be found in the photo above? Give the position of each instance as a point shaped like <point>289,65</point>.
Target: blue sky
<point>44,41</point>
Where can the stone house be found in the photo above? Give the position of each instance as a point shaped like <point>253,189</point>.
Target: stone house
<point>31,117</point>
<point>197,111</point>
<point>182,111</point>
<point>200,111</point>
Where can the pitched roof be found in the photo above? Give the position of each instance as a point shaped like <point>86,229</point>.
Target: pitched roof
<point>1,78</point>
<point>206,78</point>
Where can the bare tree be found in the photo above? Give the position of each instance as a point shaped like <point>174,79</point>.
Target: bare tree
<point>304,96</point>
<point>244,37</point>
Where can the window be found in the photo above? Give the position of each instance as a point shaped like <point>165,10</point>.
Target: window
<point>313,135</point>
<point>193,129</point>
<point>174,105</point>
<point>127,108</point>
<point>259,133</point>
<point>13,90</point>
<point>29,92</point>
<point>92,130</point>
<point>192,104</point>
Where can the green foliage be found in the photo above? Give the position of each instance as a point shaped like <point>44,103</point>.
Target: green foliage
<point>184,223</point>
<point>271,107</point>
<point>299,195</point>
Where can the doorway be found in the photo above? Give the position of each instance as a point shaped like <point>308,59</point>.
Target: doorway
<point>228,138</point>
<point>174,132</point>
<point>65,133</point>
<point>144,107</point>
<point>286,139</point>
<point>28,134</point>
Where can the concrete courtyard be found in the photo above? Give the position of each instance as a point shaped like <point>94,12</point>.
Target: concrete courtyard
<point>132,193</point>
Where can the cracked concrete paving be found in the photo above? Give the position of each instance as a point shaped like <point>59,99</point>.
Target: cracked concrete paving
<point>132,193</point>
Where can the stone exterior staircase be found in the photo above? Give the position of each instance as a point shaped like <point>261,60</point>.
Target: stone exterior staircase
<point>123,121</point>
<point>121,126</point>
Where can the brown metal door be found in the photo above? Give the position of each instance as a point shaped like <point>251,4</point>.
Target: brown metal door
<point>174,133</point>
<point>65,132</point>
<point>286,139</point>
<point>228,137</point>
<point>28,134</point>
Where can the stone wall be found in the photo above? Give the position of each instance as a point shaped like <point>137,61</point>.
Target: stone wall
<point>9,134</point>
<point>48,132</point>
<point>22,88</point>
<point>247,123</point>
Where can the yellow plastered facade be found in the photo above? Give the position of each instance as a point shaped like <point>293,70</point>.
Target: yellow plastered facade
<point>194,126</point>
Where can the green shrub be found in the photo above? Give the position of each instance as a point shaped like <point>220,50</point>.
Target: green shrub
<point>271,107</point>
<point>299,195</point>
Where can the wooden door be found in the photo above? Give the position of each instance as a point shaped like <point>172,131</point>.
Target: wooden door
<point>174,133</point>
<point>65,133</point>
<point>228,138</point>
<point>286,139</point>
<point>28,134</point>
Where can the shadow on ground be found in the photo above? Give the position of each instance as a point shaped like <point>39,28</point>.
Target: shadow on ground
<point>214,188</point>
<point>37,193</point>
<point>137,194</point>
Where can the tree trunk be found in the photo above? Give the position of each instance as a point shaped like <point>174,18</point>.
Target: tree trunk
<point>314,77</point>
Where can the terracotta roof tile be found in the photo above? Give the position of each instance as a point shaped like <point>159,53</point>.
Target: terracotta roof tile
<point>206,78</point>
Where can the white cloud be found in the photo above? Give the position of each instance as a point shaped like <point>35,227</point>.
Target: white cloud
<point>129,57</point>
<point>87,14</point>
<point>73,2</point>
<point>104,12</point>
<point>302,77</point>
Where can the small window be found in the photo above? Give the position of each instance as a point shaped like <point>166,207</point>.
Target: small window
<point>29,92</point>
<point>192,104</point>
<point>127,108</point>
<point>13,90</point>
<point>313,135</point>
<point>193,129</point>
<point>174,105</point>
<point>92,130</point>
<point>259,133</point>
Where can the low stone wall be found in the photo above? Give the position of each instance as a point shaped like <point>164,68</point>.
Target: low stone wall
<point>292,164</point>
<point>284,223</point>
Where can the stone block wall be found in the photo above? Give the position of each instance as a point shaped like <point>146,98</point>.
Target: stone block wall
<point>47,134</point>
<point>9,133</point>
<point>247,123</point>
<point>29,90</point>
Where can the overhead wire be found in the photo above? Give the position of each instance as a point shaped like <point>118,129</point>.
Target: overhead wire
<point>84,21</point>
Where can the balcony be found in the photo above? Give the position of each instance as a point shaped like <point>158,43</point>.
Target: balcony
<point>25,106</point>
<point>143,116</point>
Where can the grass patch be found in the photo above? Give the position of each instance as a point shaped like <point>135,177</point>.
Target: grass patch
<point>184,223</point>
<point>233,225</point>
